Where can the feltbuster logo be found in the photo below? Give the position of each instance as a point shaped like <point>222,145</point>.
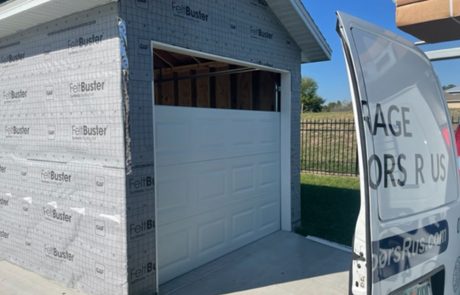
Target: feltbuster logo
<point>49,92</point>
<point>16,131</point>
<point>14,96</point>
<point>12,57</point>
<point>140,273</point>
<point>2,169</point>
<point>4,235</point>
<point>100,184</point>
<point>85,41</point>
<point>51,176</point>
<point>57,216</point>
<point>51,132</point>
<point>261,34</point>
<point>137,230</point>
<point>55,253</point>
<point>4,202</point>
<point>26,205</point>
<point>100,270</point>
<point>185,11</point>
<point>85,88</point>
<point>88,132</point>
<point>140,184</point>
<point>99,228</point>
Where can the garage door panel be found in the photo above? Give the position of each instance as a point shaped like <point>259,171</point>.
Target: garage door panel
<point>266,132</point>
<point>269,216</point>
<point>186,213</point>
<point>243,223</point>
<point>174,136</point>
<point>214,185</point>
<point>178,195</point>
<point>243,179</point>
<point>268,173</point>
<point>218,187</point>
<point>217,136</point>
<point>177,251</point>
<point>211,236</point>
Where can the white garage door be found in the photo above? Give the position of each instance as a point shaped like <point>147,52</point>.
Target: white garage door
<point>218,183</point>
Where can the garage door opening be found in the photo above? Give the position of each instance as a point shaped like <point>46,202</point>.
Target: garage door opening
<point>189,81</point>
<point>217,155</point>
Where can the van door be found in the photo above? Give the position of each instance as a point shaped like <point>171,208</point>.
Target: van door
<point>407,233</point>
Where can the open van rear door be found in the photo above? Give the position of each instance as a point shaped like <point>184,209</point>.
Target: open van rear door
<point>407,234</point>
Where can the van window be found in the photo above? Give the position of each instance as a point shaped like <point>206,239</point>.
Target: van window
<point>403,119</point>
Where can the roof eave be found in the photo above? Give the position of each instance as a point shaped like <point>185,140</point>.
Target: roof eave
<point>300,25</point>
<point>20,15</point>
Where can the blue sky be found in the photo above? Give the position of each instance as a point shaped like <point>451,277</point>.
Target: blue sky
<point>331,75</point>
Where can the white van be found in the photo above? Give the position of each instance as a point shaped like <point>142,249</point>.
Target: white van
<point>407,237</point>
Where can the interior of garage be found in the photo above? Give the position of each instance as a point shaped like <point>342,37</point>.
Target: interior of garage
<point>189,81</point>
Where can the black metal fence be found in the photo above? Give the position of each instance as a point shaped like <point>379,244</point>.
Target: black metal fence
<point>328,147</point>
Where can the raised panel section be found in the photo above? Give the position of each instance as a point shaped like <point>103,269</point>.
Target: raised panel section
<point>211,184</point>
<point>211,235</point>
<point>243,179</point>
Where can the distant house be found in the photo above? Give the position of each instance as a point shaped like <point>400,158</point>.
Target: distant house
<point>453,97</point>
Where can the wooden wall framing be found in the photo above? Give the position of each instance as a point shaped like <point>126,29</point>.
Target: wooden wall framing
<point>217,85</point>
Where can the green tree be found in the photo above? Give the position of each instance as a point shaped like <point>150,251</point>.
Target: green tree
<point>311,101</point>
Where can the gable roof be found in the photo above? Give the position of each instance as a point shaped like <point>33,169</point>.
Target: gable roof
<point>19,15</point>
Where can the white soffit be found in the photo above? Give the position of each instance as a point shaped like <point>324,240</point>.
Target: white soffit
<point>300,25</point>
<point>19,15</point>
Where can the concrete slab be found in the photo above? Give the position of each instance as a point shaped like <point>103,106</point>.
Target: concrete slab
<point>282,263</point>
<point>18,281</point>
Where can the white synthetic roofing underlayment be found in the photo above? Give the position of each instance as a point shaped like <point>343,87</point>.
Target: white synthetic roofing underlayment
<point>19,15</point>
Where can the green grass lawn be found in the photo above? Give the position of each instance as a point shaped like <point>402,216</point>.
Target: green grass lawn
<point>330,207</point>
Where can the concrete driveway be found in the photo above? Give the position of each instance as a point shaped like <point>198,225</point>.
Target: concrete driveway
<point>281,263</point>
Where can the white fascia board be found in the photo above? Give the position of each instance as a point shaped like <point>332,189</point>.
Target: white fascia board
<point>16,7</point>
<point>20,15</point>
<point>310,24</point>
